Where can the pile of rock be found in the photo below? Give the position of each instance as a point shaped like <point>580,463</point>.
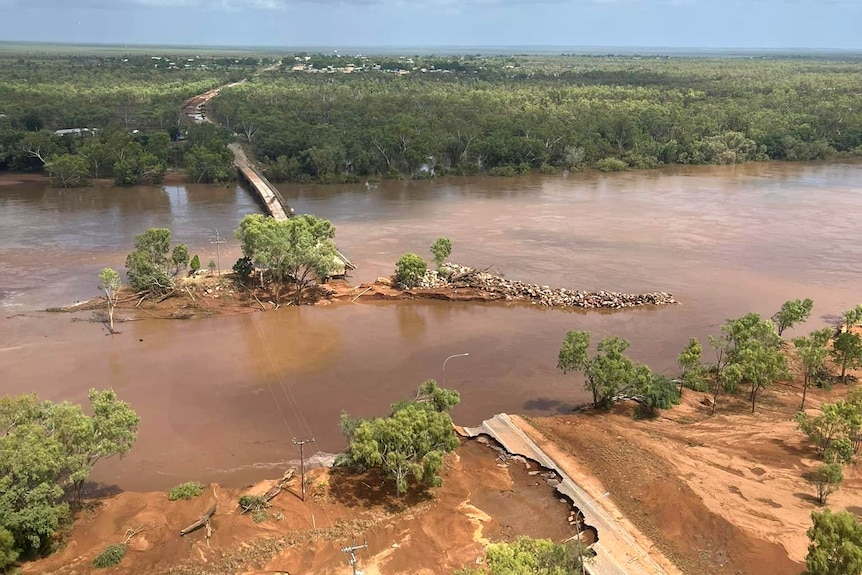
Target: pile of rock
<point>455,275</point>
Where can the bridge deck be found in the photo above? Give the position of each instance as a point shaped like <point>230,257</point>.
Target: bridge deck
<point>272,200</point>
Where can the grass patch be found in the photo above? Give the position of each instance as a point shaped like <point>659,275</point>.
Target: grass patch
<point>110,556</point>
<point>187,490</point>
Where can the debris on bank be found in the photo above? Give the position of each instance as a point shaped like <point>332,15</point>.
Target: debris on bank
<point>455,276</point>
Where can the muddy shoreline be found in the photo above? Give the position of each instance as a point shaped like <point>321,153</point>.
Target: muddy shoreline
<point>212,295</point>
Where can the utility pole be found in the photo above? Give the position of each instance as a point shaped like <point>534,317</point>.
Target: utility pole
<point>218,241</point>
<point>352,550</point>
<point>302,462</point>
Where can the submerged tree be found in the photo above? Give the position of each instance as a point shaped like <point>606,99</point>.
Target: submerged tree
<point>109,282</point>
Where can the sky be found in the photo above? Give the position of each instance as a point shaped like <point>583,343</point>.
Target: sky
<point>714,24</point>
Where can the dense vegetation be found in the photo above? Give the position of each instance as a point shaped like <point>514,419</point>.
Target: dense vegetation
<point>134,105</point>
<point>46,453</point>
<point>309,120</point>
<point>501,115</point>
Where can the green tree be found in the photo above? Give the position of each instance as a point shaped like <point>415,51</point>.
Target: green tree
<point>812,351</point>
<point>68,170</point>
<point>838,423</point>
<point>410,442</point>
<point>761,366</point>
<point>441,249</point>
<point>300,249</point>
<point>791,313</point>
<point>148,267</point>
<point>835,544</point>
<point>527,556</point>
<point>31,462</point>
<point>109,282</point>
<point>852,317</point>
<point>205,165</point>
<point>847,352</point>
<point>689,362</point>
<point>8,552</point>
<point>826,480</point>
<point>409,270</point>
<point>180,257</point>
<point>195,264</point>
<point>749,347</point>
<point>607,374</point>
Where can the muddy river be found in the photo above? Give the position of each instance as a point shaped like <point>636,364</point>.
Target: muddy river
<point>221,399</point>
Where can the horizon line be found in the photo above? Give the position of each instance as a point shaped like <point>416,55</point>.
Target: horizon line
<point>563,48</point>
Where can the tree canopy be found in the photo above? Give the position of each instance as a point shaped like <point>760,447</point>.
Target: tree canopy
<point>298,249</point>
<point>791,313</point>
<point>410,442</point>
<point>835,546</point>
<point>748,350</point>
<point>609,373</point>
<point>526,556</point>
<point>46,452</point>
<point>149,267</point>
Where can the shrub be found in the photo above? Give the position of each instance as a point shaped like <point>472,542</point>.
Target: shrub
<point>441,249</point>
<point>186,491</point>
<point>256,504</point>
<point>195,264</point>
<point>252,502</point>
<point>611,165</point>
<point>8,552</point>
<point>243,268</point>
<point>503,171</point>
<point>548,169</point>
<point>523,169</point>
<point>110,556</point>
<point>409,270</point>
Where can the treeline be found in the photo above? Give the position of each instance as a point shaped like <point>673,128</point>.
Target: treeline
<point>128,158</point>
<point>40,96</point>
<point>612,114</point>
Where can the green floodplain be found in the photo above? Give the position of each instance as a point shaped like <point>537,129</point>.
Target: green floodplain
<point>338,117</point>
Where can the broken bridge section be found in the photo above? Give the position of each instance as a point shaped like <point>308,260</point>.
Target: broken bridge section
<point>617,552</point>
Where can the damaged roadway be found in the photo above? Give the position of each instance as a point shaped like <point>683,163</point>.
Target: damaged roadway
<point>618,551</point>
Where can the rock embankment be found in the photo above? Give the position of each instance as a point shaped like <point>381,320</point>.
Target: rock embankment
<point>455,276</point>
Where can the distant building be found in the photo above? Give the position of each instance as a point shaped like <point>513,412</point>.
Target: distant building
<point>77,132</point>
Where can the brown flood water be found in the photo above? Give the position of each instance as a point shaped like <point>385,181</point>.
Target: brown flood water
<point>221,399</point>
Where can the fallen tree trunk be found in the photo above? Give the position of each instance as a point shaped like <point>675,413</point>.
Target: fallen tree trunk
<point>275,489</point>
<point>204,520</point>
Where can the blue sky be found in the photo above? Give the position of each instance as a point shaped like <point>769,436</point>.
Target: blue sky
<point>755,24</point>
